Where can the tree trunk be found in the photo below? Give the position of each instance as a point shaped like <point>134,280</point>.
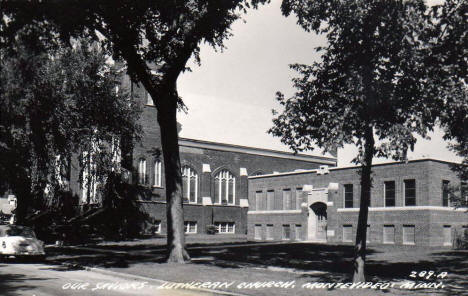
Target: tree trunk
<point>167,119</point>
<point>366,184</point>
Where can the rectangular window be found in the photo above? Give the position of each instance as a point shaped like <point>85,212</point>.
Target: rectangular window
<point>348,195</point>
<point>258,200</point>
<point>258,232</point>
<point>269,232</point>
<point>190,226</point>
<point>286,199</point>
<point>347,233</point>
<point>157,173</point>
<point>445,193</point>
<point>389,234</point>
<point>225,227</point>
<point>447,235</point>
<point>217,199</point>
<point>389,193</point>
<point>286,232</point>
<point>408,235</point>
<point>298,231</point>
<point>193,188</point>
<point>270,200</point>
<point>410,192</point>
<point>142,171</point>
<point>231,191</point>
<point>298,198</point>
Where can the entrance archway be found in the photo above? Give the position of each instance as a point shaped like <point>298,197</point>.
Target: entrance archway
<point>318,221</point>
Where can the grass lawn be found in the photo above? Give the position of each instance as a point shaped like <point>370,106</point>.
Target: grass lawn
<point>239,262</point>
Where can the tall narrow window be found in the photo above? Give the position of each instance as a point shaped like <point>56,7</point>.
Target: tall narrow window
<point>286,232</point>
<point>142,171</point>
<point>258,232</point>
<point>445,193</point>
<point>298,198</point>
<point>225,188</point>
<point>189,184</point>
<point>389,193</point>
<point>410,192</point>
<point>298,231</point>
<point>347,233</point>
<point>408,235</point>
<point>447,235</point>
<point>286,199</point>
<point>270,200</point>
<point>269,232</point>
<point>258,200</point>
<point>157,173</point>
<point>348,195</point>
<point>389,234</point>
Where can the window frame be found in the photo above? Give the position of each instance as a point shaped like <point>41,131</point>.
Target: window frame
<point>405,191</point>
<point>270,232</point>
<point>157,176</point>
<point>188,172</point>
<point>405,229</point>
<point>347,226</point>
<point>258,200</point>
<point>188,225</point>
<point>287,202</point>
<point>386,192</point>
<point>284,232</point>
<point>445,193</point>
<point>142,174</point>
<point>226,226</point>
<point>345,194</point>
<point>223,177</point>
<point>384,240</point>
<point>270,200</point>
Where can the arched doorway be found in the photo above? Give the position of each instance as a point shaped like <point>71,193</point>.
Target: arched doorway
<point>317,223</point>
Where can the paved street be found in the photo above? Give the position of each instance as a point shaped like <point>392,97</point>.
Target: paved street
<point>29,279</point>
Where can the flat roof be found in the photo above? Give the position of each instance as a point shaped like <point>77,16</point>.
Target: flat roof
<point>298,172</point>
<point>256,151</point>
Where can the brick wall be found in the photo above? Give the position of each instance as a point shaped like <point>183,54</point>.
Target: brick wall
<point>427,221</point>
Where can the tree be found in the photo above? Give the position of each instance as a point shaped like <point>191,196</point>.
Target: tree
<point>155,39</point>
<point>54,102</point>
<point>376,86</point>
<point>448,44</point>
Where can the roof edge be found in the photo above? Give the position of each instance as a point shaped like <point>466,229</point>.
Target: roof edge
<point>254,150</point>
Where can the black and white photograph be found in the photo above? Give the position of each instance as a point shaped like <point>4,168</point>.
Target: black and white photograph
<point>233,147</point>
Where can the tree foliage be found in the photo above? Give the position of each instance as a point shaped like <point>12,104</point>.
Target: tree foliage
<point>378,84</point>
<point>54,102</point>
<point>155,39</point>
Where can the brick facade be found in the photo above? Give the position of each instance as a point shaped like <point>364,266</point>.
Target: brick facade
<point>427,223</point>
<point>206,160</point>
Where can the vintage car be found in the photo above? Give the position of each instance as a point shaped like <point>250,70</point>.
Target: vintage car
<point>20,242</point>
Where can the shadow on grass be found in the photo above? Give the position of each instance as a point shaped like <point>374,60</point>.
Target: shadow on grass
<point>325,263</point>
<point>13,284</point>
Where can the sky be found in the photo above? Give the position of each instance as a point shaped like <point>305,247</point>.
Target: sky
<point>231,95</point>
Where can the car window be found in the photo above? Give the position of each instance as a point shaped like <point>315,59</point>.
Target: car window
<point>26,232</point>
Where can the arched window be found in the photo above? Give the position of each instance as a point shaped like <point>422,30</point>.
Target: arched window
<point>157,173</point>
<point>142,171</point>
<point>189,184</point>
<point>225,188</point>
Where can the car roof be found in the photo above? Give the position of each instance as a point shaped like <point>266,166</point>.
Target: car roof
<point>9,226</point>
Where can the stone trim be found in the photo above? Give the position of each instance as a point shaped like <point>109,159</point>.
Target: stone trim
<point>408,208</point>
<point>275,212</point>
